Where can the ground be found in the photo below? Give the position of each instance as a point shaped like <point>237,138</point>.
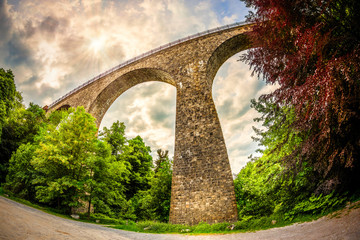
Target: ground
<point>18,221</point>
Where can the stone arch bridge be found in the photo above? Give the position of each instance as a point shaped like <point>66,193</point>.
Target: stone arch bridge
<point>202,185</point>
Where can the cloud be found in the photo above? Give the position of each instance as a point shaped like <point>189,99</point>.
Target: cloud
<point>49,24</point>
<point>13,50</point>
<point>233,89</point>
<point>65,43</point>
<point>147,110</point>
<point>5,22</point>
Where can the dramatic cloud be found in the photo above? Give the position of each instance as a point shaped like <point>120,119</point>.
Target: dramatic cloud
<point>54,46</point>
<point>233,89</point>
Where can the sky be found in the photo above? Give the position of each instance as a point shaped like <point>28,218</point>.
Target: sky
<point>53,46</point>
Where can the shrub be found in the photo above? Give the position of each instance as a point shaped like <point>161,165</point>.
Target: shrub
<point>104,219</point>
<point>316,205</point>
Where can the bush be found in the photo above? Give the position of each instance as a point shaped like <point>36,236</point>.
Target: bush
<point>316,205</point>
<point>103,219</point>
<point>219,227</point>
<point>160,227</point>
<point>260,223</point>
<point>202,227</point>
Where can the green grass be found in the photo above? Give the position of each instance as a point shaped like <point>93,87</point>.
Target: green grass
<point>244,225</point>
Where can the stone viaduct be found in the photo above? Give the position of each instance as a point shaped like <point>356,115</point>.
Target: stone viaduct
<point>202,185</point>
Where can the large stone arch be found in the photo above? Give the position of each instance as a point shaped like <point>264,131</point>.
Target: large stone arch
<point>202,187</point>
<point>126,81</point>
<point>223,52</point>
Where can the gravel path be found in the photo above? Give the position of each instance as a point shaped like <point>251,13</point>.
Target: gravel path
<point>18,221</point>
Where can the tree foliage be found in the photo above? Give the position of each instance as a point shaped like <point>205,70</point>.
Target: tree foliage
<point>115,136</point>
<point>155,202</point>
<point>58,160</point>
<point>163,156</point>
<point>21,173</point>
<point>7,93</point>
<point>7,97</point>
<point>62,159</point>
<point>266,186</point>
<point>17,124</point>
<point>137,154</point>
<point>103,183</point>
<point>311,49</point>
<point>21,126</point>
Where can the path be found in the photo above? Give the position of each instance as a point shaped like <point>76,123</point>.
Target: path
<point>18,221</point>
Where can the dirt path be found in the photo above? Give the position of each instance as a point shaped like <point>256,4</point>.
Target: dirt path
<point>18,221</point>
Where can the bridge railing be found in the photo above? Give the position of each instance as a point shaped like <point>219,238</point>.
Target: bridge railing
<point>146,54</point>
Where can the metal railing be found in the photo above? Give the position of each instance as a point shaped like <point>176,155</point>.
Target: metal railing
<point>146,54</point>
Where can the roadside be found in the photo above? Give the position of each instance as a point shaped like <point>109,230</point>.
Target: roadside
<point>18,221</point>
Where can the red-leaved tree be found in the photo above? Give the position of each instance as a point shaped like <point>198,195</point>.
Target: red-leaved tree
<point>311,48</point>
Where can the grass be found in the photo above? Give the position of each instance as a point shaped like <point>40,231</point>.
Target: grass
<point>244,225</point>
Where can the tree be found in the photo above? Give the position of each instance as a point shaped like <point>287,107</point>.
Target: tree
<point>160,190</point>
<point>155,202</point>
<point>20,127</point>
<point>7,98</point>
<point>104,183</point>
<point>162,157</point>
<point>7,94</point>
<point>137,154</point>
<point>265,182</point>
<point>62,159</point>
<point>134,156</point>
<point>115,136</point>
<point>21,172</point>
<point>311,49</point>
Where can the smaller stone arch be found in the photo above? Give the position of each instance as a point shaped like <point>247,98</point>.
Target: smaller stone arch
<point>109,94</point>
<point>63,107</point>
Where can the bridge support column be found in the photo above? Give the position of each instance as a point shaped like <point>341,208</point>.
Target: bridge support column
<point>202,185</point>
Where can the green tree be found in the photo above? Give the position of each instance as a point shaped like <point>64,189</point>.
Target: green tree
<point>62,159</point>
<point>104,183</point>
<point>160,190</point>
<point>7,98</point>
<point>115,136</point>
<point>20,127</point>
<point>134,156</point>
<point>21,172</point>
<point>154,203</point>
<point>137,154</point>
<point>7,94</point>
<point>162,157</point>
<point>266,185</point>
